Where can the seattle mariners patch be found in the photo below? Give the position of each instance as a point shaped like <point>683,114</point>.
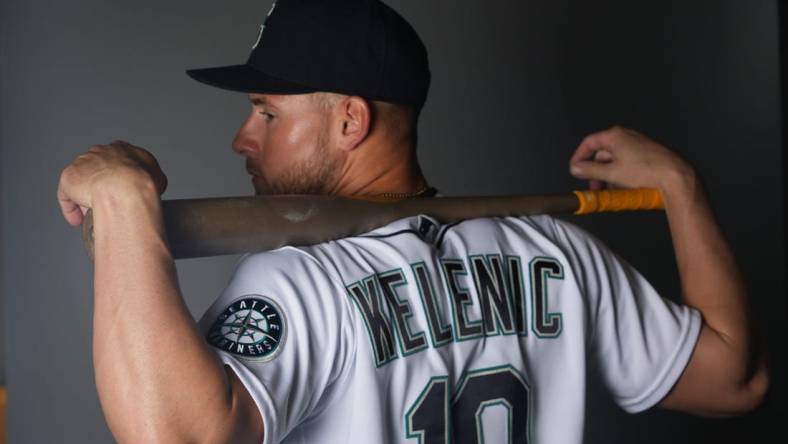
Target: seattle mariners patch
<point>251,327</point>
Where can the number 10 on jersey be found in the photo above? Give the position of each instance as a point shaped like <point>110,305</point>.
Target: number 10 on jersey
<point>435,418</point>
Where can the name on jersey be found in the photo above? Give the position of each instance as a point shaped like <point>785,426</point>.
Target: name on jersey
<point>497,296</point>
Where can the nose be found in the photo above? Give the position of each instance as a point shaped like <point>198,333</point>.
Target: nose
<point>244,142</point>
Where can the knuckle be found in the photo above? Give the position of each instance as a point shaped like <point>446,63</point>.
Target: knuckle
<point>122,145</point>
<point>589,139</point>
<point>65,175</point>
<point>148,157</point>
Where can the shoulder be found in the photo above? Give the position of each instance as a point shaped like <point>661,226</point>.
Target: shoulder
<point>292,280</point>
<point>572,239</point>
<point>279,258</point>
<point>286,260</point>
<point>295,276</point>
<point>542,231</point>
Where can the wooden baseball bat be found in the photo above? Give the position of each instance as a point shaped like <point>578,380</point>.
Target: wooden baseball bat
<point>229,225</point>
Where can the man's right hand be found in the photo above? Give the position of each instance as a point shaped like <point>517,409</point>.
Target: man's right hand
<point>117,167</point>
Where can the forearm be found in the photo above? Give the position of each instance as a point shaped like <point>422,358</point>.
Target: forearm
<point>710,278</point>
<point>155,376</point>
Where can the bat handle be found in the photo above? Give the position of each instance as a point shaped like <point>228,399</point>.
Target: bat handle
<point>618,200</point>
<point>87,232</point>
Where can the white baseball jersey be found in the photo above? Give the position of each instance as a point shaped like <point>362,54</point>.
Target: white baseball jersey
<point>476,332</point>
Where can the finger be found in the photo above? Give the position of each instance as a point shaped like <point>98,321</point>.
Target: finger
<point>151,164</point>
<point>68,207</point>
<point>602,140</point>
<point>158,175</point>
<point>603,155</point>
<point>591,170</point>
<point>588,147</point>
<point>163,186</point>
<point>596,185</point>
<point>71,211</point>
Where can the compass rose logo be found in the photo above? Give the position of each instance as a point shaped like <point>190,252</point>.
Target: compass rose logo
<point>251,327</point>
<point>262,27</point>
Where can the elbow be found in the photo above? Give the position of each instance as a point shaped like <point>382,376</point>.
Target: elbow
<point>749,389</point>
<point>756,389</point>
<point>746,396</point>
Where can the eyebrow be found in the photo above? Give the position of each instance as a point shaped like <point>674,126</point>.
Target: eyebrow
<point>258,101</point>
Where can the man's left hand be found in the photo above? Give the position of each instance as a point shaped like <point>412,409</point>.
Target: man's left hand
<point>624,158</point>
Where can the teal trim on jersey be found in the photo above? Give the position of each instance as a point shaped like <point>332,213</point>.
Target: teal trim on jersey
<point>514,265</point>
<point>410,433</point>
<point>428,315</point>
<point>499,282</point>
<point>384,317</point>
<point>522,377</point>
<point>408,331</point>
<point>458,337</point>
<point>480,412</point>
<point>547,318</point>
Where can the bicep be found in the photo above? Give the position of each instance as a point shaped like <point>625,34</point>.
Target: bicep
<point>244,424</point>
<point>712,383</point>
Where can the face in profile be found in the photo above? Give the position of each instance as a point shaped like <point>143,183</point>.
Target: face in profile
<point>287,145</point>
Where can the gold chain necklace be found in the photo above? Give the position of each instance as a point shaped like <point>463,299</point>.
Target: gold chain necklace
<point>421,191</point>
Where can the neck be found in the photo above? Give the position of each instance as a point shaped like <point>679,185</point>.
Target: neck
<point>376,169</point>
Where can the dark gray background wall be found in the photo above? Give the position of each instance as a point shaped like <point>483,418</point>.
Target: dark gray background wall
<point>517,84</point>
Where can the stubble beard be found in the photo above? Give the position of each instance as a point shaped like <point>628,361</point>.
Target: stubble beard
<point>317,174</point>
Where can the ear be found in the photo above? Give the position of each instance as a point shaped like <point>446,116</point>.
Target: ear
<point>353,121</point>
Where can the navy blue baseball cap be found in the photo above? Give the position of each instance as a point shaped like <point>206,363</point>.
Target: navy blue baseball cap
<point>352,47</point>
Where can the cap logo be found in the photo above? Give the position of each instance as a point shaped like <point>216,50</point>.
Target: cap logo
<point>262,27</point>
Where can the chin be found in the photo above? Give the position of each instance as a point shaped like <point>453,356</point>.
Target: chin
<point>261,188</point>
<point>265,191</point>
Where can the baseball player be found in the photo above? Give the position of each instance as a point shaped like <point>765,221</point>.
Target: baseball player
<point>417,332</point>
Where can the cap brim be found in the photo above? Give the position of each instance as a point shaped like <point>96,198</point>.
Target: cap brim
<point>245,78</point>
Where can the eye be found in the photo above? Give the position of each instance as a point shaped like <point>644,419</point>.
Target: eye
<point>268,116</point>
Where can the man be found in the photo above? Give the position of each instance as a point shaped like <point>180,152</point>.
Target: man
<point>415,332</point>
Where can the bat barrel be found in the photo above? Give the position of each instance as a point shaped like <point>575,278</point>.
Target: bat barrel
<point>208,227</point>
<point>230,225</point>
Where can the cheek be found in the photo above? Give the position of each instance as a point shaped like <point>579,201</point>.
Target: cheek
<point>289,143</point>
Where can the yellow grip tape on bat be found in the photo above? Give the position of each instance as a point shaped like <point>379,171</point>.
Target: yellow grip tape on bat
<point>618,200</point>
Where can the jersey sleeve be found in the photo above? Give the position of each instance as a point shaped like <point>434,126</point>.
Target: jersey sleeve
<point>639,342</point>
<point>281,325</point>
